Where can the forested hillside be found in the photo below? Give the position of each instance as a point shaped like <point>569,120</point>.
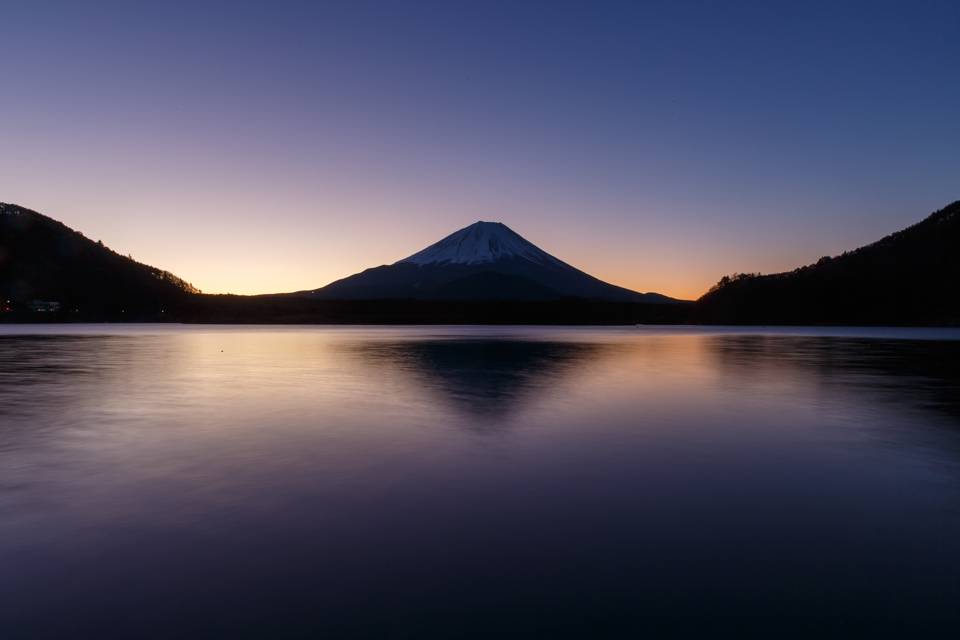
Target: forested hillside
<point>42,259</point>
<point>911,277</point>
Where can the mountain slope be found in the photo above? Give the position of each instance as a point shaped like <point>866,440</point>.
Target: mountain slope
<point>482,242</point>
<point>483,247</point>
<point>42,259</point>
<point>910,277</point>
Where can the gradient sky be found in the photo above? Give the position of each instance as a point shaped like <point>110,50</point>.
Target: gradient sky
<point>264,147</point>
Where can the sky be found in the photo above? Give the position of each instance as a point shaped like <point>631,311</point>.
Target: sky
<point>254,147</point>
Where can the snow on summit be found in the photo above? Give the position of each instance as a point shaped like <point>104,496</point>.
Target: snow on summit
<point>481,242</point>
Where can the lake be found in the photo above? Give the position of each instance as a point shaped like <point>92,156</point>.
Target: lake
<point>166,481</point>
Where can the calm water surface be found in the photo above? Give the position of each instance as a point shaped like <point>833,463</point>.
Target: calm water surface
<point>458,482</point>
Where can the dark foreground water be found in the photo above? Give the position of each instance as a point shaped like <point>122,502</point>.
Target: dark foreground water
<point>283,482</point>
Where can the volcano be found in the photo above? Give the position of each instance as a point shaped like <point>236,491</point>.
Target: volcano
<point>485,261</point>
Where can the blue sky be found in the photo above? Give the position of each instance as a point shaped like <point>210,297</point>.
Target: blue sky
<point>263,147</point>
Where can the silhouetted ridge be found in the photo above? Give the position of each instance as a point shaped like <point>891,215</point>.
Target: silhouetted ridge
<point>909,277</point>
<point>42,259</point>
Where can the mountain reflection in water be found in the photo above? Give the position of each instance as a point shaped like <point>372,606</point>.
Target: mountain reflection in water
<point>478,482</point>
<point>487,379</point>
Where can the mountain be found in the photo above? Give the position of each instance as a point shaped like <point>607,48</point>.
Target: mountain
<point>42,259</point>
<point>485,261</point>
<point>911,277</point>
<point>487,274</point>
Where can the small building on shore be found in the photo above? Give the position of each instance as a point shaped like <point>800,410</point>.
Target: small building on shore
<point>41,306</point>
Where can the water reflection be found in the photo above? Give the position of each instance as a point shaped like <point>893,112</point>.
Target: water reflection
<point>921,373</point>
<point>484,378</point>
<point>301,482</point>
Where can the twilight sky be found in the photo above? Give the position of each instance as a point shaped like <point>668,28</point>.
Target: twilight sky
<point>254,147</point>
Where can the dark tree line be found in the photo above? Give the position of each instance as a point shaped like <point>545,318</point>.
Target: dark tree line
<point>566,311</point>
<point>911,277</point>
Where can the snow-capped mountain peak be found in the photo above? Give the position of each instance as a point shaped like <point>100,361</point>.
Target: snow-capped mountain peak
<point>481,242</point>
<point>485,261</point>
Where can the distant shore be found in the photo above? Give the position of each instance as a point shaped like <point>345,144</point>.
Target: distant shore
<point>230,309</point>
